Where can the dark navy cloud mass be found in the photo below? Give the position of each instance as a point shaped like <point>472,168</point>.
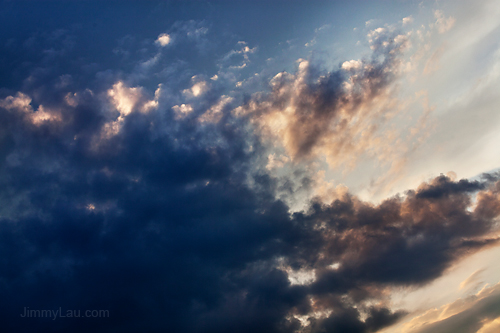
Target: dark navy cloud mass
<point>129,184</point>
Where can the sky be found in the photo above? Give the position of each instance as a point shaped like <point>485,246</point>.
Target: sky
<point>250,166</point>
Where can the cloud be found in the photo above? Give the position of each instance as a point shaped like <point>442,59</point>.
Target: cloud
<point>163,39</point>
<point>473,278</point>
<point>182,110</point>
<point>215,113</point>
<point>443,24</point>
<point>20,102</point>
<point>490,327</point>
<point>236,59</point>
<point>167,234</point>
<point>124,98</point>
<point>407,20</point>
<point>441,186</point>
<point>278,162</point>
<point>334,114</point>
<point>156,202</point>
<point>192,32</point>
<point>477,313</point>
<point>197,89</point>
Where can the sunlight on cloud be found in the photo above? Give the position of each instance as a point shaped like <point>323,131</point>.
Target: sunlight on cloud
<point>163,39</point>
<point>22,103</point>
<point>19,102</point>
<point>124,98</point>
<point>491,326</point>
<point>468,314</point>
<point>214,114</point>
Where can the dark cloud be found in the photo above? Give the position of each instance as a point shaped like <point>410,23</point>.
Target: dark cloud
<point>349,321</point>
<point>442,186</point>
<point>160,227</point>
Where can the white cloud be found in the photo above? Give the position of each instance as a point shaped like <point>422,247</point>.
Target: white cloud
<point>197,89</point>
<point>182,110</point>
<point>43,115</point>
<point>163,39</point>
<point>22,103</point>
<point>443,24</point>
<point>351,64</point>
<point>407,20</point>
<point>19,102</point>
<point>124,98</point>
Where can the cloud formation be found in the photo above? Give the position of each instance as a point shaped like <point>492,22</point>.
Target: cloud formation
<point>335,114</point>
<point>156,202</point>
<point>163,231</point>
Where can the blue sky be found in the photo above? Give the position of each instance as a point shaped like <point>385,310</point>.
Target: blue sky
<point>250,166</point>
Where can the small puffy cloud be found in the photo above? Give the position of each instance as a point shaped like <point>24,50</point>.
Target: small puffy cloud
<point>351,64</point>
<point>43,115</point>
<point>163,39</point>
<point>407,20</point>
<point>197,89</point>
<point>191,31</point>
<point>124,98</point>
<point>20,102</point>
<point>182,110</point>
<point>443,24</point>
